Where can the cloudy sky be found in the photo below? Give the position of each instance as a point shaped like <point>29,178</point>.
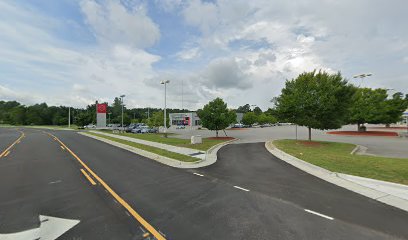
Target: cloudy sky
<point>73,52</point>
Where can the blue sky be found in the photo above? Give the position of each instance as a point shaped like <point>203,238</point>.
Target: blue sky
<point>70,52</point>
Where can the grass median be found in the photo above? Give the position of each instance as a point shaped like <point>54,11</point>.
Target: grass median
<point>159,151</point>
<point>336,157</point>
<point>158,137</point>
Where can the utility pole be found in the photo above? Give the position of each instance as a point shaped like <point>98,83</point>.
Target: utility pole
<point>69,117</point>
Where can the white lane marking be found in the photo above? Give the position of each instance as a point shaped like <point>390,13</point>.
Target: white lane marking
<point>58,181</point>
<point>198,174</point>
<point>319,214</point>
<point>240,188</point>
<point>127,213</point>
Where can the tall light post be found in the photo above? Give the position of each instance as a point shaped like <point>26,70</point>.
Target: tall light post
<point>362,76</point>
<point>69,117</point>
<point>122,96</point>
<point>165,82</point>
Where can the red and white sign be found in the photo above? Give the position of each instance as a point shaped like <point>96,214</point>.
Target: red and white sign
<point>101,108</point>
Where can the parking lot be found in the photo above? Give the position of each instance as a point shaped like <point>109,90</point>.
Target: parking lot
<point>381,146</point>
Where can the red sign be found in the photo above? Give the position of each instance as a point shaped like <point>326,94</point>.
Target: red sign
<point>101,108</point>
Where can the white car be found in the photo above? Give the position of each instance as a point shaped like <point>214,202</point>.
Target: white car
<point>89,126</point>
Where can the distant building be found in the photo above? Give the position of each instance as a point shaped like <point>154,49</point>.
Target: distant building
<point>191,119</point>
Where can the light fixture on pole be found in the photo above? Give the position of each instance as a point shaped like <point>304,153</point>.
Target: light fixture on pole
<point>122,96</point>
<point>165,82</point>
<point>362,76</point>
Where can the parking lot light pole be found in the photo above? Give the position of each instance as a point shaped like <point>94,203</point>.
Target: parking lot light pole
<point>69,117</point>
<point>165,82</point>
<point>362,76</point>
<point>122,96</point>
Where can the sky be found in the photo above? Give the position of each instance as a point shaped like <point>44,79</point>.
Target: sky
<point>74,52</point>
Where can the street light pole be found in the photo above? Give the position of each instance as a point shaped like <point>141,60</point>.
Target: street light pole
<point>69,117</point>
<point>362,76</point>
<point>122,96</point>
<point>165,105</point>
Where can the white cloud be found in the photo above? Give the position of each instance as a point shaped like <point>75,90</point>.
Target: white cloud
<point>113,23</point>
<point>188,54</point>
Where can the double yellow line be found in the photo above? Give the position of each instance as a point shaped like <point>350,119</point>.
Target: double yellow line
<point>135,215</point>
<point>7,151</point>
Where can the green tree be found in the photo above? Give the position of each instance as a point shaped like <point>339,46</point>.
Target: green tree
<point>157,119</point>
<point>257,111</point>
<point>249,118</point>
<point>393,109</point>
<point>266,118</point>
<point>215,115</point>
<point>244,109</point>
<point>316,100</point>
<point>368,106</point>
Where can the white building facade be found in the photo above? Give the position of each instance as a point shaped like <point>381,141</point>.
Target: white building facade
<point>191,119</point>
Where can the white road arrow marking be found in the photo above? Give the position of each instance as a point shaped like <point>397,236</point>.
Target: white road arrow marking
<point>50,229</point>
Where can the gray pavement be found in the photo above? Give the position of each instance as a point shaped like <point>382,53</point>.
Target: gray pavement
<point>381,146</point>
<point>247,194</point>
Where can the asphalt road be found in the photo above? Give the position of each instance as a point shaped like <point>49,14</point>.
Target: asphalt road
<point>40,177</point>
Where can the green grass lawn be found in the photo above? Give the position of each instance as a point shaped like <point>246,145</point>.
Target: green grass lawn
<point>336,157</point>
<point>158,137</point>
<point>155,150</point>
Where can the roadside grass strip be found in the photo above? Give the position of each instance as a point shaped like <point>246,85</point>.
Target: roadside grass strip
<point>158,137</point>
<point>159,151</point>
<point>336,157</point>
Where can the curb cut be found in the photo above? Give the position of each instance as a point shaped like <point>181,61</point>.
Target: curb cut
<point>336,179</point>
<point>210,158</point>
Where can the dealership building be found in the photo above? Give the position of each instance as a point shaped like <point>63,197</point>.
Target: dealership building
<point>191,119</point>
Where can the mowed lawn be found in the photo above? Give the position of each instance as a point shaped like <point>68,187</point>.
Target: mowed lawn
<point>171,140</point>
<point>336,157</point>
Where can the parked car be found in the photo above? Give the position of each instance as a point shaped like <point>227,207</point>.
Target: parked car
<point>180,127</point>
<point>153,130</point>
<point>89,126</point>
<point>144,129</point>
<point>136,130</point>
<point>238,125</point>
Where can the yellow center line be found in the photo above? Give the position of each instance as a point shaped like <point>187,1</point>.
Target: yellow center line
<point>88,177</point>
<point>6,152</point>
<point>62,148</point>
<point>135,215</point>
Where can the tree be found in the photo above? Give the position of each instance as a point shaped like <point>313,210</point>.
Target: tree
<point>244,109</point>
<point>215,115</point>
<point>316,100</point>
<point>257,111</point>
<point>393,109</point>
<point>249,118</point>
<point>266,118</point>
<point>157,119</point>
<point>368,106</point>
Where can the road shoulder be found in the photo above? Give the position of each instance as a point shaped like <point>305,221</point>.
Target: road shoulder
<point>337,179</point>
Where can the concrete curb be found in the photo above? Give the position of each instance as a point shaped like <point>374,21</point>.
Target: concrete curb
<point>335,178</point>
<point>210,158</point>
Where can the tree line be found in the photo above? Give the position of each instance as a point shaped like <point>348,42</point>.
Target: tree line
<point>15,113</point>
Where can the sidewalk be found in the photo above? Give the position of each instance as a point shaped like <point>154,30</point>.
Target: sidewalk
<point>181,150</point>
<point>393,194</point>
<point>205,158</point>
